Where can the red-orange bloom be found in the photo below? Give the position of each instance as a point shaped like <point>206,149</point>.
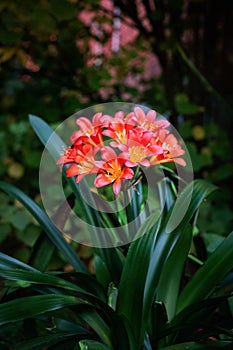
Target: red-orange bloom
<point>69,156</point>
<point>118,129</point>
<point>139,136</point>
<point>139,147</point>
<point>171,149</point>
<point>147,121</point>
<point>90,132</point>
<point>83,159</point>
<point>112,170</point>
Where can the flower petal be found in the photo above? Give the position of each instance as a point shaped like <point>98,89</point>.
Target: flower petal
<point>72,170</point>
<point>139,114</point>
<point>180,161</point>
<point>107,153</point>
<point>151,115</point>
<point>102,180</point>
<point>145,162</point>
<point>127,173</point>
<point>84,124</point>
<point>97,119</point>
<point>116,187</point>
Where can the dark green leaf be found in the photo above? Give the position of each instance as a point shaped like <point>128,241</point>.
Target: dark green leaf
<point>131,287</point>
<point>38,343</point>
<point>44,278</point>
<point>20,220</point>
<point>170,279</point>
<point>53,233</point>
<point>98,325</point>
<point>209,275</point>
<point>101,271</point>
<point>26,307</point>
<point>42,252</point>
<point>201,320</point>
<point>7,261</point>
<point>175,224</point>
<point>207,345</point>
<point>92,345</point>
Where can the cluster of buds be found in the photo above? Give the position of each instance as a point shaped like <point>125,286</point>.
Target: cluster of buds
<point>137,139</point>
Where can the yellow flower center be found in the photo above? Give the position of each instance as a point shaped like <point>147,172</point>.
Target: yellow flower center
<point>137,153</point>
<point>121,137</point>
<point>114,172</point>
<point>86,165</point>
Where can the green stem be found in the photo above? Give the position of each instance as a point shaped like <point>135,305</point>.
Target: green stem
<point>196,260</point>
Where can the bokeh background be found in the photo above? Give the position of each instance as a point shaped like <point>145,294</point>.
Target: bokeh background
<point>60,56</point>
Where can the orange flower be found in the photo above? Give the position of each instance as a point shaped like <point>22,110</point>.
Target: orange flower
<point>90,132</point>
<point>69,156</point>
<point>83,159</point>
<point>139,147</point>
<point>141,139</point>
<point>148,121</point>
<point>171,149</point>
<point>118,129</point>
<point>112,170</point>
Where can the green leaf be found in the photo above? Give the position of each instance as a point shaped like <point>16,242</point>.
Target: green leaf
<point>46,340</point>
<point>92,345</point>
<point>45,278</point>
<point>101,271</point>
<point>7,261</point>
<point>29,235</point>
<point>42,252</point>
<point>208,345</point>
<point>98,324</point>
<point>205,316</point>
<point>5,229</point>
<point>209,275</point>
<point>86,282</point>
<point>26,307</point>
<point>113,260</point>
<point>188,202</point>
<point>53,233</point>
<point>46,133</point>
<point>176,222</point>
<point>170,279</point>
<point>131,287</point>
<point>146,257</point>
<point>20,220</point>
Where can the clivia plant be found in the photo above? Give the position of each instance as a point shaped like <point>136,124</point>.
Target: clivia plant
<point>139,216</point>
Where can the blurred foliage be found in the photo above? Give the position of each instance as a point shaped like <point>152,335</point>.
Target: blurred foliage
<point>54,62</point>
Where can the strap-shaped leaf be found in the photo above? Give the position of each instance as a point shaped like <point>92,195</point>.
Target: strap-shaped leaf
<point>36,277</point>
<point>7,261</point>
<point>88,344</point>
<point>193,195</point>
<point>209,275</point>
<point>146,257</point>
<point>53,233</point>
<point>208,345</point>
<point>26,307</point>
<point>170,279</point>
<point>131,288</point>
<point>50,339</point>
<point>42,252</point>
<point>205,316</point>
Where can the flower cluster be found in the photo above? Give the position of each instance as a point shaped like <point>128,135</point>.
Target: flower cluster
<point>135,139</point>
